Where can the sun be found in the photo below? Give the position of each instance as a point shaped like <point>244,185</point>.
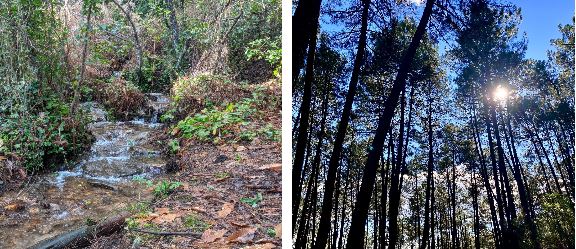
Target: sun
<point>501,93</point>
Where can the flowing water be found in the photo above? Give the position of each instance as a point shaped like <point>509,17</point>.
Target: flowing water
<point>96,187</point>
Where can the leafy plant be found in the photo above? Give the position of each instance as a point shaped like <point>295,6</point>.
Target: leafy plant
<point>213,123</point>
<point>165,188</point>
<point>253,202</point>
<point>168,116</point>
<point>222,175</point>
<point>195,224</point>
<point>266,49</point>
<point>271,232</point>
<point>174,145</point>
<point>142,180</point>
<point>270,133</point>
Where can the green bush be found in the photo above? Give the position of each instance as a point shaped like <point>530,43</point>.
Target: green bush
<point>214,123</point>
<point>266,49</point>
<point>44,139</point>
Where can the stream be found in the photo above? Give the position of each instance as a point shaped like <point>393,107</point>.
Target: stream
<point>98,186</point>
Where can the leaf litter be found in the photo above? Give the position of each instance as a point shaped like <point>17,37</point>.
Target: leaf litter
<point>232,202</point>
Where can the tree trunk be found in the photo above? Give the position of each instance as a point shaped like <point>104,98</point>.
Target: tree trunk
<point>301,140</point>
<point>303,22</point>
<point>136,39</point>
<point>503,222</point>
<point>429,175</point>
<point>324,226</point>
<point>510,208</point>
<point>475,210</point>
<point>76,98</point>
<point>175,30</point>
<point>455,242</point>
<point>360,212</point>
<point>384,174</point>
<point>83,236</point>
<point>524,197</point>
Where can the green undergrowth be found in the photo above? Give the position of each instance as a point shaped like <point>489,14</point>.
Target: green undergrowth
<point>231,122</point>
<point>44,139</point>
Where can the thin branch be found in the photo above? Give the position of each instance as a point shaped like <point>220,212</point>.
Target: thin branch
<point>167,233</point>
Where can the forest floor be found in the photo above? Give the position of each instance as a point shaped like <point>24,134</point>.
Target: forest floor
<point>230,196</point>
<point>232,192</point>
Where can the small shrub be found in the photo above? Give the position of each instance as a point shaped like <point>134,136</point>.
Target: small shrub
<point>270,133</point>
<point>174,145</point>
<point>121,97</point>
<point>164,188</point>
<point>213,124</point>
<point>44,139</point>
<point>253,202</point>
<point>266,49</point>
<point>271,232</point>
<point>195,224</point>
<point>192,94</point>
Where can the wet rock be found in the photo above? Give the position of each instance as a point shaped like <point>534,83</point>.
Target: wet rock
<point>44,205</point>
<point>106,200</point>
<point>221,159</point>
<point>172,166</point>
<point>55,207</point>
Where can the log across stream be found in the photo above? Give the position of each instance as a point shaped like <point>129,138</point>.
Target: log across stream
<point>98,187</point>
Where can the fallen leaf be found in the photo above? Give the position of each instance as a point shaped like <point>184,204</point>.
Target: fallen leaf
<point>226,210</point>
<point>2,158</point>
<point>15,207</point>
<point>212,235</point>
<point>163,210</point>
<point>262,246</point>
<point>238,224</point>
<point>278,229</point>
<point>166,218</point>
<point>198,209</point>
<point>274,166</point>
<point>243,235</point>
<point>185,186</point>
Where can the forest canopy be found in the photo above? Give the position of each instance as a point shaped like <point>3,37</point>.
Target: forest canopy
<point>424,124</point>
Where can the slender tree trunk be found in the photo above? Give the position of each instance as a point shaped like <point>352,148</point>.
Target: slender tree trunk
<point>510,207</point>
<point>429,175</point>
<point>340,238</point>
<point>301,140</point>
<point>76,98</point>
<point>175,31</point>
<point>499,201</point>
<point>484,173</point>
<point>432,216</point>
<point>524,197</point>
<point>301,237</point>
<point>455,242</point>
<point>324,226</point>
<point>304,23</point>
<point>337,201</point>
<point>362,202</point>
<point>475,210</point>
<point>384,197</point>
<point>538,141</point>
<point>136,39</point>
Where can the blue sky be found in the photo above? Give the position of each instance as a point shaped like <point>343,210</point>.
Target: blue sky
<point>540,22</point>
